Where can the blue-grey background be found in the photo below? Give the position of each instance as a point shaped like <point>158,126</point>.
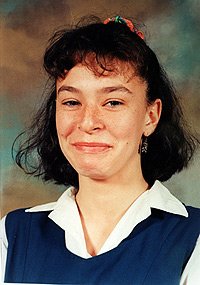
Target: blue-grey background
<point>171,29</point>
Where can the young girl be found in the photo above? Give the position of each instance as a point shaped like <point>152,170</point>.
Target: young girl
<point>111,129</point>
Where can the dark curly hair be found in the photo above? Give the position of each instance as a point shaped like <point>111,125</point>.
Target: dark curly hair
<point>170,147</point>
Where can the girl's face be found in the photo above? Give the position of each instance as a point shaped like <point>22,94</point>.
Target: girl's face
<point>100,121</point>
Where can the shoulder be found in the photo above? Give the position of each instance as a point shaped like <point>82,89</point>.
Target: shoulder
<point>189,227</point>
<point>14,217</point>
<point>26,213</point>
<point>193,211</point>
<point>20,214</point>
<point>193,215</point>
<point>20,221</point>
<point>193,219</point>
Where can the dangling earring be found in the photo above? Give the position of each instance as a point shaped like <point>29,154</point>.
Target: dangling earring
<point>140,146</point>
<point>144,146</point>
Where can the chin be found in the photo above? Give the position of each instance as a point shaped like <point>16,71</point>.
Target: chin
<point>93,173</point>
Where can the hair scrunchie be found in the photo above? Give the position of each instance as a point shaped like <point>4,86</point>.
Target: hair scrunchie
<point>128,23</point>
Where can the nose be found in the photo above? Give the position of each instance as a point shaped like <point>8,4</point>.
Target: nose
<point>90,120</point>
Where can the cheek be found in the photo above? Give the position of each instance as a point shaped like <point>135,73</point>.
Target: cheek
<point>64,124</point>
<point>129,126</point>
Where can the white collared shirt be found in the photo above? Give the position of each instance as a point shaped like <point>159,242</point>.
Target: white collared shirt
<point>65,214</point>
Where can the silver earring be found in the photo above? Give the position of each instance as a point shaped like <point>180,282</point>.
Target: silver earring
<point>144,145</point>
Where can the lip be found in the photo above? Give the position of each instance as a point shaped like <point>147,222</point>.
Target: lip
<point>91,147</point>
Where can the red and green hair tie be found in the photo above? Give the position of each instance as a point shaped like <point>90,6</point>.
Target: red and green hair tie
<point>128,23</point>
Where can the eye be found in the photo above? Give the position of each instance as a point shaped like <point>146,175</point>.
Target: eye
<point>114,103</point>
<point>71,103</point>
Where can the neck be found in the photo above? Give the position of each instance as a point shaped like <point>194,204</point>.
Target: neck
<point>109,196</point>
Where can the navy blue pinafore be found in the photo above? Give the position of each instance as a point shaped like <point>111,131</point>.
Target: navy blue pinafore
<point>155,252</point>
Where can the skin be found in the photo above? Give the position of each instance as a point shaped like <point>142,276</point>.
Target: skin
<point>100,121</point>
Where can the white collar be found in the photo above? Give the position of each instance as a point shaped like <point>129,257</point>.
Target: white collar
<point>65,214</point>
<point>161,198</point>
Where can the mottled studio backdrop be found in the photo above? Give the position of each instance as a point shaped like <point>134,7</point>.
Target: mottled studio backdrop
<point>172,30</point>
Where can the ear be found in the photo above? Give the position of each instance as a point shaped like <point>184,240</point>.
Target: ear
<point>152,117</point>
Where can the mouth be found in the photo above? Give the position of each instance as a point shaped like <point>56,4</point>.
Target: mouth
<point>91,147</point>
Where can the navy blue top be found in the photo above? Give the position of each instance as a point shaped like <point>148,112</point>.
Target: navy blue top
<point>155,252</point>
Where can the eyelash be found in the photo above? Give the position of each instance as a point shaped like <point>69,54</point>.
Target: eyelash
<point>112,103</point>
<point>71,103</point>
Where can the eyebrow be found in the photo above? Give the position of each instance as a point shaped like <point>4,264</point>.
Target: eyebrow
<point>119,88</point>
<point>105,90</point>
<point>69,89</point>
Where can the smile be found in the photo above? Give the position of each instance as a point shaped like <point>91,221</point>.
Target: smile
<point>91,147</point>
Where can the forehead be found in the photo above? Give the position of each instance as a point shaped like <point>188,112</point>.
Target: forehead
<point>80,80</point>
<point>111,70</point>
